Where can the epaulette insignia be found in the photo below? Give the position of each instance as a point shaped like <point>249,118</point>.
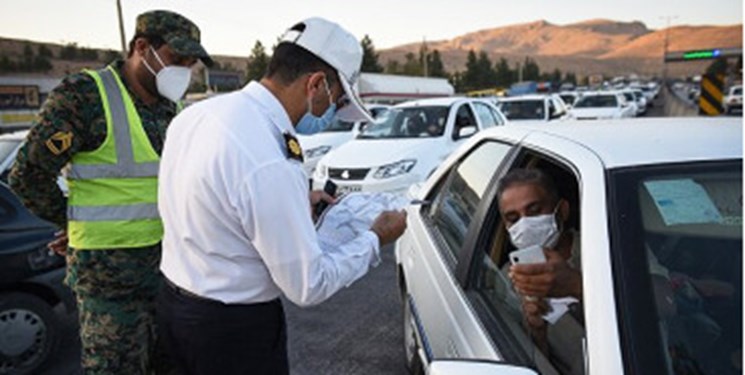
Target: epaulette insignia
<point>59,142</point>
<point>293,147</point>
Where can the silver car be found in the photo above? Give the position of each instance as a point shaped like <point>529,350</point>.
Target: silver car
<point>657,207</point>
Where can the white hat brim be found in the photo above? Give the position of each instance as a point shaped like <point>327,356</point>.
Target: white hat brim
<point>355,110</point>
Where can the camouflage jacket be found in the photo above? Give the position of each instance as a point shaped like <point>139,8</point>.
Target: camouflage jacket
<point>72,120</point>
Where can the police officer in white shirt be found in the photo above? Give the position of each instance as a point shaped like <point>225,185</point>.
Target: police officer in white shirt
<point>235,205</point>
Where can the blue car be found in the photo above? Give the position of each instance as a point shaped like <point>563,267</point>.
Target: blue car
<point>30,287</point>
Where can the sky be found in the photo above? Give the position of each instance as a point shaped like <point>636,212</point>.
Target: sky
<point>233,27</point>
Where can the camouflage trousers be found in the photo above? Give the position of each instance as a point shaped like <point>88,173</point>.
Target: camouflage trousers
<point>116,291</point>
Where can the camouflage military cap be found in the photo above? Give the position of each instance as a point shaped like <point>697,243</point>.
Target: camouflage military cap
<point>179,32</point>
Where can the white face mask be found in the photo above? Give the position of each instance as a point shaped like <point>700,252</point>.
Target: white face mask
<point>171,81</point>
<point>539,230</point>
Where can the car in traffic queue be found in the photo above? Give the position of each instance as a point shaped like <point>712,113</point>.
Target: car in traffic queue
<point>30,288</point>
<point>641,101</point>
<point>656,205</point>
<point>338,132</point>
<point>532,108</point>
<point>633,101</point>
<point>412,139</point>
<point>733,100</point>
<point>569,97</point>
<point>602,105</point>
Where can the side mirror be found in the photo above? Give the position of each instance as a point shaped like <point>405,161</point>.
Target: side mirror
<point>465,132</point>
<point>475,367</point>
<point>414,189</point>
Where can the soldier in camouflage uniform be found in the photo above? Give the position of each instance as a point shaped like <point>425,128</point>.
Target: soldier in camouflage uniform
<point>115,287</point>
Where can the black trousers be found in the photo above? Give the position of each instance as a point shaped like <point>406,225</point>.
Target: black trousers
<point>206,337</point>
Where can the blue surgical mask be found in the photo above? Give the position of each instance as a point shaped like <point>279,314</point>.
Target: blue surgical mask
<point>310,124</point>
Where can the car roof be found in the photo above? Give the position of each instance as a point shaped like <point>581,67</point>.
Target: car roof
<point>594,93</point>
<point>631,142</point>
<point>524,97</point>
<point>444,101</point>
<point>14,136</point>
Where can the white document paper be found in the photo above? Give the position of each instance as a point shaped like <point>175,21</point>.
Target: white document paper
<point>352,215</point>
<point>558,307</point>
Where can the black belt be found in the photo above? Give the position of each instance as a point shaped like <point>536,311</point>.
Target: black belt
<point>179,290</point>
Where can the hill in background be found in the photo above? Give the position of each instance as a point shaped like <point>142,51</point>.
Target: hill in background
<point>585,48</point>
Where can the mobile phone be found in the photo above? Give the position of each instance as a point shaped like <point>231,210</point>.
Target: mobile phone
<point>330,189</point>
<point>528,255</point>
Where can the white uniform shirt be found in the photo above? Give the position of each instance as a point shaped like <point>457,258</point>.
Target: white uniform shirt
<point>236,211</point>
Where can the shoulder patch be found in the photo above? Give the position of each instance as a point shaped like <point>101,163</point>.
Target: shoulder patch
<point>59,142</point>
<point>293,147</point>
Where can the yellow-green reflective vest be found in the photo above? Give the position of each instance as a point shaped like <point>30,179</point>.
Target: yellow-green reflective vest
<point>113,190</point>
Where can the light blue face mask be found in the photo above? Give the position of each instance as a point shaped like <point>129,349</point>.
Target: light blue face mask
<point>311,124</point>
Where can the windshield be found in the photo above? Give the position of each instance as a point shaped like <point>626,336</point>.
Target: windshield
<point>345,126</point>
<point>7,147</point>
<point>523,109</point>
<point>597,101</point>
<point>339,126</point>
<point>737,91</point>
<point>408,122</point>
<point>629,96</point>
<point>681,238</point>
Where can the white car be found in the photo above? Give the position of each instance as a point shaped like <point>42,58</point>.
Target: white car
<point>641,101</point>
<point>319,144</point>
<point>632,100</point>
<point>10,143</point>
<point>657,211</point>
<point>532,108</point>
<point>650,91</point>
<point>412,139</point>
<point>601,105</point>
<point>570,97</point>
<point>733,100</point>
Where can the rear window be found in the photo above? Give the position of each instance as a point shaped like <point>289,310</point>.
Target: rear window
<point>597,101</point>
<point>523,109</point>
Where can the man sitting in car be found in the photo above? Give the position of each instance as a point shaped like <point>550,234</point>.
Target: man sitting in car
<point>534,214</point>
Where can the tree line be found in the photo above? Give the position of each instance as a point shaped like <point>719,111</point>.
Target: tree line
<point>39,60</point>
<point>480,73</point>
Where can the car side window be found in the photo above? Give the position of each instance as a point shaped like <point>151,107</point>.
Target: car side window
<point>555,344</point>
<point>455,201</point>
<point>485,114</point>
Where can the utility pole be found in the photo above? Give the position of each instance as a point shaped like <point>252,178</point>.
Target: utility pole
<point>425,64</point>
<point>121,28</point>
<point>665,46</point>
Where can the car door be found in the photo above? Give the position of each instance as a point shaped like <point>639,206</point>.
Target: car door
<point>429,256</point>
<point>581,341</point>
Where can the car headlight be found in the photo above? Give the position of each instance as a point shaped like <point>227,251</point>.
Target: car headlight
<point>395,169</point>
<point>317,151</point>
